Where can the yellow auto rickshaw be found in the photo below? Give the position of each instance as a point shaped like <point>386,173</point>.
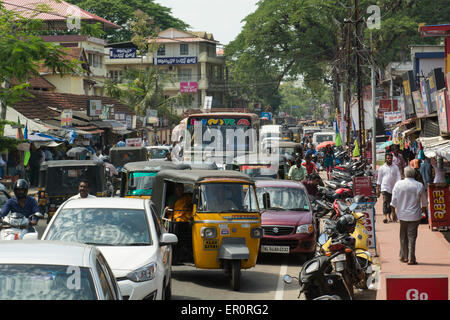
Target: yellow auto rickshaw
<point>214,214</point>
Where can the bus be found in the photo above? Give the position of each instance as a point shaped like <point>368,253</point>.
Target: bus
<point>220,136</point>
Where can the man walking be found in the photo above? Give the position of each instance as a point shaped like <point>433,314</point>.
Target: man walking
<point>408,201</point>
<point>388,175</point>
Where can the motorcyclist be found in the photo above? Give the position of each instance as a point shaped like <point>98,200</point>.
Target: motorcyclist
<point>22,203</point>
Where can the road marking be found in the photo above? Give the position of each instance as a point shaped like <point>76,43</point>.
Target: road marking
<point>280,286</point>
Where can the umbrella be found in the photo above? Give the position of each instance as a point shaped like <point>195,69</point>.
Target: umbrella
<point>77,151</point>
<point>324,144</point>
<point>385,145</point>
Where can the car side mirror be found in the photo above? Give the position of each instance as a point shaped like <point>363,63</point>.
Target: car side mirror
<point>168,239</point>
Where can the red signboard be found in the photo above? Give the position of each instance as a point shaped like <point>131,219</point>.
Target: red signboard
<point>386,106</point>
<point>438,206</point>
<point>362,186</point>
<point>400,287</point>
<point>188,87</point>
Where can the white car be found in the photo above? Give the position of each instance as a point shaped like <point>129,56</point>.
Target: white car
<point>54,270</point>
<point>129,234</point>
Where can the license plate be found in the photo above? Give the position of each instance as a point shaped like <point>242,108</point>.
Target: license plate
<point>275,249</point>
<point>340,257</point>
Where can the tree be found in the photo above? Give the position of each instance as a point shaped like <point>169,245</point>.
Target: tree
<point>121,12</point>
<point>22,54</point>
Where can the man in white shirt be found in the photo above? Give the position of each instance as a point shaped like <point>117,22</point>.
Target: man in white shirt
<point>83,189</point>
<point>388,175</point>
<point>408,201</point>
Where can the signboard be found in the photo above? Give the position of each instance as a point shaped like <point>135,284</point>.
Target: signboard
<point>441,104</point>
<point>368,210</point>
<point>424,90</point>
<point>423,287</point>
<point>362,186</point>
<point>134,142</point>
<point>188,87</point>
<point>122,53</point>
<point>392,117</point>
<point>94,108</point>
<point>175,60</point>
<point>129,121</point>
<point>66,118</point>
<point>387,106</point>
<point>418,103</point>
<point>208,103</point>
<point>107,112</point>
<point>408,88</point>
<point>438,206</point>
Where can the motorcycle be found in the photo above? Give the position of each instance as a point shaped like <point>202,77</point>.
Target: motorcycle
<point>15,226</point>
<point>318,280</point>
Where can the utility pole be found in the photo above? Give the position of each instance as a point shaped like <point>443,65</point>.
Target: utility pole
<point>361,137</point>
<point>348,97</point>
<point>374,116</point>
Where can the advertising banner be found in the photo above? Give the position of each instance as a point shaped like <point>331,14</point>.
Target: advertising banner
<point>408,88</point>
<point>424,90</point>
<point>418,104</point>
<point>441,104</point>
<point>133,142</point>
<point>387,106</point>
<point>66,118</point>
<point>415,287</point>
<point>392,117</point>
<point>175,60</point>
<point>122,53</point>
<point>362,186</point>
<point>94,108</point>
<point>368,209</point>
<point>438,206</point>
<point>188,87</point>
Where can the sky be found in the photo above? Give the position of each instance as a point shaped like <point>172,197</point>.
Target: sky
<point>221,18</point>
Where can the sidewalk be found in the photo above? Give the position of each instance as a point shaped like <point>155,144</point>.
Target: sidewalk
<point>432,251</point>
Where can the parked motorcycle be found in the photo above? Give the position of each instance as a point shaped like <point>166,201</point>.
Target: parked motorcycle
<point>318,280</point>
<point>15,226</point>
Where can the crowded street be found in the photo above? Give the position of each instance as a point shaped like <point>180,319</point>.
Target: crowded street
<point>298,158</point>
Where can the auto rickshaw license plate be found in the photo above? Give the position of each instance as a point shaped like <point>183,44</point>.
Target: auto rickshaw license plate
<point>211,244</point>
<point>275,249</point>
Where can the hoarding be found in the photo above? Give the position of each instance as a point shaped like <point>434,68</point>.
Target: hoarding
<point>175,60</point>
<point>418,104</point>
<point>392,117</point>
<point>66,118</point>
<point>188,87</point>
<point>122,53</point>
<point>94,108</point>
<point>441,104</point>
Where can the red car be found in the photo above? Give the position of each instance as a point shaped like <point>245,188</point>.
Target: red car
<point>287,218</point>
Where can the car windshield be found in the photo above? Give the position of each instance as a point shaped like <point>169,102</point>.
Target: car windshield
<point>45,282</point>
<point>227,197</point>
<point>101,226</point>
<point>158,153</point>
<point>322,137</point>
<point>284,198</point>
<point>141,183</point>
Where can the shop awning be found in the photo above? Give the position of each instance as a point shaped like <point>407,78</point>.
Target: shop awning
<point>435,146</point>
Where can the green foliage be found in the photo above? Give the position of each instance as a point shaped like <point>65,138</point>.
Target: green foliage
<point>121,12</point>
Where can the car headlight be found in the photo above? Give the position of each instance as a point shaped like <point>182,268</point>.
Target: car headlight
<point>144,273</point>
<point>312,267</point>
<point>208,232</point>
<point>305,228</point>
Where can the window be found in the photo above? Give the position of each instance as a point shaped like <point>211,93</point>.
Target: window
<point>156,221</point>
<point>106,288</point>
<point>162,50</point>
<point>184,75</point>
<point>184,49</point>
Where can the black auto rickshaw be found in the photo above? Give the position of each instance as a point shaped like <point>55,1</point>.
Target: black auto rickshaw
<point>122,155</point>
<point>59,180</point>
<point>214,214</point>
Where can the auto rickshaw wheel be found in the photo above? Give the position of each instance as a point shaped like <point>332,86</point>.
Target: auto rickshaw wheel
<point>236,274</point>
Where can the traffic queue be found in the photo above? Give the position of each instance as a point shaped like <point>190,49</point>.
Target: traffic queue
<point>157,212</point>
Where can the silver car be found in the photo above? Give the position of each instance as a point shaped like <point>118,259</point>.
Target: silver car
<point>54,270</point>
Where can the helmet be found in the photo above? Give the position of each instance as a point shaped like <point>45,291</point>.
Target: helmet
<point>346,224</point>
<point>20,184</point>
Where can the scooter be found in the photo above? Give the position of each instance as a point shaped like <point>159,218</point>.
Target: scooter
<point>15,226</point>
<point>318,280</point>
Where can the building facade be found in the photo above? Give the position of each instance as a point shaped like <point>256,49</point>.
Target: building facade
<point>188,62</point>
